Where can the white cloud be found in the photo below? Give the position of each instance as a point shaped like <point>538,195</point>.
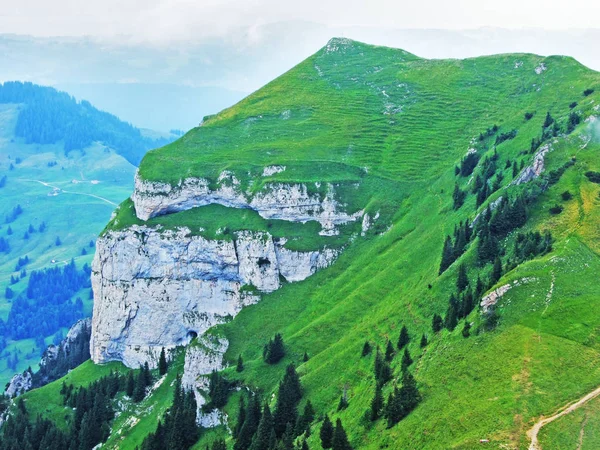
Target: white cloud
<point>168,20</point>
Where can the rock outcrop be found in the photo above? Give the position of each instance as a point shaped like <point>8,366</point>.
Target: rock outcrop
<point>292,202</point>
<point>201,359</point>
<point>19,384</point>
<point>56,361</point>
<point>160,288</point>
<point>536,168</point>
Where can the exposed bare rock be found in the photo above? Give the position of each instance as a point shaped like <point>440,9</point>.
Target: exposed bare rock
<point>19,384</point>
<point>155,289</point>
<point>536,168</point>
<point>291,202</point>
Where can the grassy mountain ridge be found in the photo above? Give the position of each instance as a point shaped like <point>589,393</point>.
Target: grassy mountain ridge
<point>397,126</point>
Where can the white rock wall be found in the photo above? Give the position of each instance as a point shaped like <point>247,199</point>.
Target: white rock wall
<point>282,201</point>
<point>156,289</point>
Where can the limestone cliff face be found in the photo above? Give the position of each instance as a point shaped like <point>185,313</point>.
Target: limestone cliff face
<point>291,202</point>
<point>155,289</point>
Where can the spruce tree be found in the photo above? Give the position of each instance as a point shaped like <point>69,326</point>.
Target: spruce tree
<point>447,255</point>
<point>389,351</point>
<point>240,364</point>
<point>130,384</point>
<point>451,319</point>
<point>406,360</point>
<point>496,271</point>
<point>366,349</point>
<point>423,343</point>
<point>466,331</point>
<point>437,323</point>
<point>274,351</point>
<point>139,391</point>
<point>262,437</point>
<point>376,403</point>
<point>162,362</point>
<point>326,433</point>
<point>305,357</point>
<point>404,338</point>
<point>250,424</point>
<point>462,280</point>
<point>340,439</point>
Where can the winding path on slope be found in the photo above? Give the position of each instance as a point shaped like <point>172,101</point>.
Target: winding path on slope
<point>533,432</point>
<point>70,192</point>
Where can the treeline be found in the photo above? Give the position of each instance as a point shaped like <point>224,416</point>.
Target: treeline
<point>46,306</point>
<point>51,116</point>
<point>177,430</point>
<point>67,357</point>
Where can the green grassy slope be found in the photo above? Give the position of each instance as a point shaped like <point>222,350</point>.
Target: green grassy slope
<point>397,125</point>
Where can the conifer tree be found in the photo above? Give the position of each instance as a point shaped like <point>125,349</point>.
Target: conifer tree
<point>462,280</point>
<point>406,360</point>
<point>262,437</point>
<point>305,358</point>
<point>423,343</point>
<point>451,319</point>
<point>219,444</point>
<point>389,351</point>
<point>139,391</point>
<point>240,364</point>
<point>274,351</point>
<point>340,439</point>
<point>437,323</point>
<point>496,271</point>
<point>250,424</point>
<point>366,349</point>
<point>162,362</point>
<point>326,433</point>
<point>376,403</point>
<point>147,374</point>
<point>289,394</point>
<point>466,331</point>
<point>305,419</point>
<point>130,384</point>
<point>447,255</point>
<point>343,403</point>
<point>404,338</point>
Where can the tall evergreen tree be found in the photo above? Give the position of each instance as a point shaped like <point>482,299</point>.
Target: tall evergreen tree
<point>326,433</point>
<point>130,384</point>
<point>366,349</point>
<point>404,338</point>
<point>451,319</point>
<point>261,440</point>
<point>162,362</point>
<point>250,424</point>
<point>340,439</point>
<point>423,343</point>
<point>406,360</point>
<point>447,255</point>
<point>462,280</point>
<point>496,271</point>
<point>437,323</point>
<point>376,403</point>
<point>240,364</point>
<point>389,351</point>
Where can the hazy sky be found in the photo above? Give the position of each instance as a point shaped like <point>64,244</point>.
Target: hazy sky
<point>167,20</point>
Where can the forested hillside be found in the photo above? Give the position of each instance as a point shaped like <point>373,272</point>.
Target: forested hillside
<point>49,116</point>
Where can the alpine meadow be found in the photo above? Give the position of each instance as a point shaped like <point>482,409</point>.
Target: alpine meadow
<point>372,251</point>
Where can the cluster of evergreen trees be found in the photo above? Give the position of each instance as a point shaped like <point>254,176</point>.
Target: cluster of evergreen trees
<point>260,429</point>
<point>51,116</point>
<point>67,358</point>
<point>401,400</point>
<point>46,306</point>
<point>274,350</point>
<point>88,427</point>
<point>12,216</point>
<point>177,430</point>
<point>505,136</point>
<point>218,391</point>
<point>455,246</point>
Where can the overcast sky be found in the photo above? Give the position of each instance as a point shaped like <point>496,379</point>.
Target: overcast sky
<point>168,20</point>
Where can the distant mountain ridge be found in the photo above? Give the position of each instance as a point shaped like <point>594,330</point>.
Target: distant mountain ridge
<point>49,116</point>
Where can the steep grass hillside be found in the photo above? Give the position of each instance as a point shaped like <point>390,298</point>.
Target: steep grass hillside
<point>389,129</point>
